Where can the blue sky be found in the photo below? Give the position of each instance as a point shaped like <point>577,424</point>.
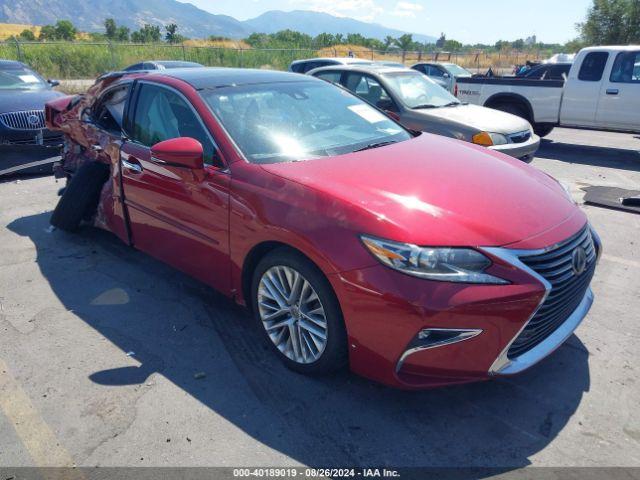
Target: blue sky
<point>469,21</point>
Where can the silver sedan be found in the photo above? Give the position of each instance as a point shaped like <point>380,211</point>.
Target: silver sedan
<point>420,104</point>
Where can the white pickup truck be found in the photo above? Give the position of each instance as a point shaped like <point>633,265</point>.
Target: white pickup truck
<point>601,92</point>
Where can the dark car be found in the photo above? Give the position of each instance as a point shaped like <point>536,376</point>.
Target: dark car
<point>160,65</point>
<point>26,146</point>
<point>23,93</point>
<point>547,71</point>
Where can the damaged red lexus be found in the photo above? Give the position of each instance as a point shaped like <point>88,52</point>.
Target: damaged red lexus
<point>417,260</point>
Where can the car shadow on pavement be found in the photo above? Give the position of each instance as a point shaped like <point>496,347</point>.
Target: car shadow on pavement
<point>178,327</point>
<point>619,158</point>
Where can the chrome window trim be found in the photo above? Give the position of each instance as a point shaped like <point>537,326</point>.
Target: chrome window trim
<point>463,334</point>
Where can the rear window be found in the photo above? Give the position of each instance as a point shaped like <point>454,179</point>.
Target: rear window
<point>593,66</point>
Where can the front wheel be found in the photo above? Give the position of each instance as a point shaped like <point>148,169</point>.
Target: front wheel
<point>298,311</point>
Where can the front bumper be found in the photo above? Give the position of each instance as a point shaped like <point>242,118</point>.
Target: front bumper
<point>525,150</point>
<point>387,313</point>
<point>28,138</point>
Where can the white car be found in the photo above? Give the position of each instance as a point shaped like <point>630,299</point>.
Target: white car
<point>444,74</point>
<point>304,66</point>
<point>602,91</point>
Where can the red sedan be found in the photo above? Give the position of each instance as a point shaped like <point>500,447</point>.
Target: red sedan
<point>416,259</point>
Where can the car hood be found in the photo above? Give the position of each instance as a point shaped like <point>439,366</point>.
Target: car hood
<point>435,191</point>
<point>17,100</point>
<point>480,118</point>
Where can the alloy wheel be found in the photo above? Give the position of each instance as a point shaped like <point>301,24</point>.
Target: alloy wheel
<point>292,314</point>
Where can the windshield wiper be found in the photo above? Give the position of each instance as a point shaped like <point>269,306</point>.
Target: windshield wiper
<point>426,105</point>
<point>375,145</point>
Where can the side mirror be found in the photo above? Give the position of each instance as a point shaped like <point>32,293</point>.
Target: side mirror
<point>446,75</point>
<point>53,83</point>
<point>180,152</point>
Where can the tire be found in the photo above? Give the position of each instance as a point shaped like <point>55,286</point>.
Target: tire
<point>277,265</point>
<point>542,129</point>
<point>513,109</point>
<point>80,197</point>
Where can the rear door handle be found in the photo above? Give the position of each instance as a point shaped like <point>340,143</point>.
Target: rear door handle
<point>134,167</point>
<point>612,91</point>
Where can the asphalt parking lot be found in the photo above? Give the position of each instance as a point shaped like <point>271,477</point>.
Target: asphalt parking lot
<point>110,358</point>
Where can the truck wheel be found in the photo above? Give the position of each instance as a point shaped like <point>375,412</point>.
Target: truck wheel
<point>542,129</point>
<point>513,109</point>
<point>80,197</point>
<point>296,308</point>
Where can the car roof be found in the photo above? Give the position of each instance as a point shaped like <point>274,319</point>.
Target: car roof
<point>619,48</point>
<point>369,68</point>
<point>176,62</point>
<point>11,63</point>
<point>337,59</point>
<point>216,77</point>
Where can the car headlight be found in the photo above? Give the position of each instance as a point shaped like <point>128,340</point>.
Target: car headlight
<point>489,139</point>
<point>444,264</point>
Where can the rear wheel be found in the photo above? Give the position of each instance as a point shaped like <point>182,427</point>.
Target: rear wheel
<point>80,197</point>
<point>543,129</point>
<point>299,313</point>
<point>512,108</point>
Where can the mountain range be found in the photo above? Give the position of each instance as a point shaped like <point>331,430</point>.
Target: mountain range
<point>89,15</point>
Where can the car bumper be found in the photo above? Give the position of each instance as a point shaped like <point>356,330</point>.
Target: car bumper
<point>19,138</point>
<point>469,327</point>
<point>524,150</point>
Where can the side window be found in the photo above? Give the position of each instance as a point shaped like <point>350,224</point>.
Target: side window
<point>437,72</point>
<point>626,68</point>
<point>593,66</point>
<point>333,77</point>
<point>162,114</point>
<point>297,67</point>
<point>108,111</point>
<point>369,89</point>
<point>420,68</point>
<point>137,66</point>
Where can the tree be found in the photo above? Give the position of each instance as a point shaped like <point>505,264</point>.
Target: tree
<point>612,22</point>
<point>122,34</point>
<point>47,32</point>
<point>389,41</point>
<point>65,30</point>
<point>147,34</point>
<point>405,43</point>
<point>110,28</point>
<point>172,33</point>
<point>27,35</point>
<point>452,46</point>
<point>324,40</point>
<point>441,41</point>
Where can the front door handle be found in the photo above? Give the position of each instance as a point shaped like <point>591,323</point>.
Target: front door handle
<point>612,91</point>
<point>134,167</point>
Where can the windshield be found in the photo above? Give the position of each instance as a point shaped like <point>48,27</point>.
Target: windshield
<point>279,122</point>
<point>19,77</point>
<point>417,91</point>
<point>457,70</point>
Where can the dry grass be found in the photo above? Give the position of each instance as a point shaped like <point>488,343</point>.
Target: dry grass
<point>10,29</point>
<point>217,43</point>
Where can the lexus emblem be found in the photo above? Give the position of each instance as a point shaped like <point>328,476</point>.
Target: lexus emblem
<point>579,260</point>
<point>33,120</point>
